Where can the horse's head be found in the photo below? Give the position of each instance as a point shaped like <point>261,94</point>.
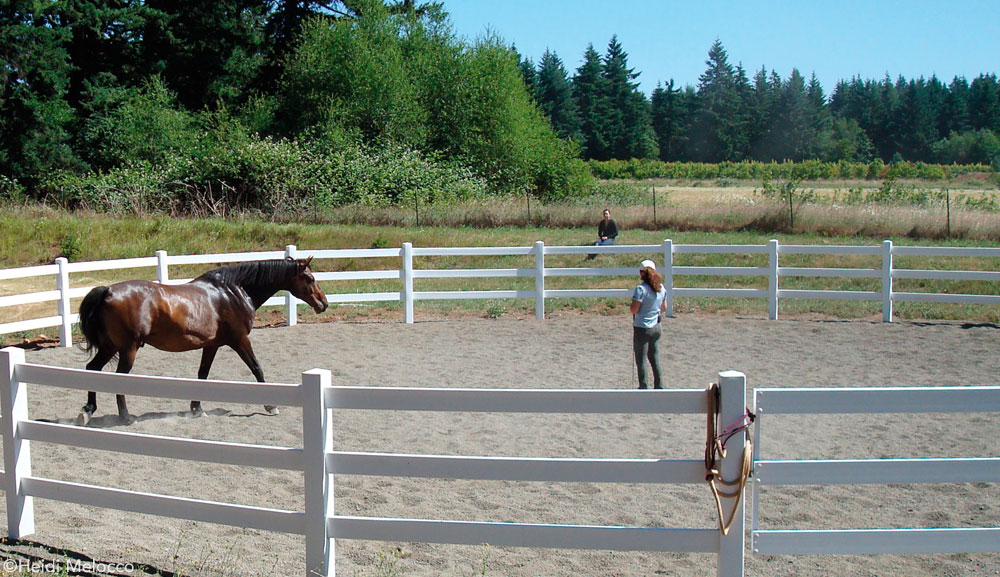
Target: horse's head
<point>305,288</point>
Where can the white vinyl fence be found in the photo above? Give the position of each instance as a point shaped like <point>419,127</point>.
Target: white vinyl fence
<point>893,400</point>
<point>319,461</point>
<point>664,254</point>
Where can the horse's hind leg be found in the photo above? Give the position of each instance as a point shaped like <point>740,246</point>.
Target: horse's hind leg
<point>126,358</point>
<point>104,354</point>
<point>207,357</point>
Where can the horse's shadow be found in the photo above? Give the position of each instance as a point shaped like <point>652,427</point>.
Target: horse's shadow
<point>112,420</point>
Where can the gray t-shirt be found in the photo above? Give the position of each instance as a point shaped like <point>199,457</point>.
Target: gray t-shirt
<point>649,307</point>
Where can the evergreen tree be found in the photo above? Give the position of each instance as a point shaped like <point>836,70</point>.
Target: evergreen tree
<point>104,43</point>
<point>34,84</point>
<point>821,119</point>
<point>956,107</point>
<point>717,122</point>
<point>984,103</point>
<point>814,92</point>
<point>207,51</point>
<point>884,133</point>
<point>857,100</point>
<point>528,72</point>
<point>741,135</point>
<point>916,122</point>
<point>554,94</point>
<point>669,110</point>
<point>937,94</point>
<point>589,93</point>
<point>629,131</point>
<point>795,125</point>
<point>763,108</point>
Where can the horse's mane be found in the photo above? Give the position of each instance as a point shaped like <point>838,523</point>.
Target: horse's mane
<point>262,273</point>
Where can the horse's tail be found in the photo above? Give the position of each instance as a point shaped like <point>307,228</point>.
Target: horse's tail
<point>91,320</point>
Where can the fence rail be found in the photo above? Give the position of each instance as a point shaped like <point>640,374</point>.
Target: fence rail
<point>526,469</point>
<point>406,273</point>
<point>884,400</point>
<point>319,462</point>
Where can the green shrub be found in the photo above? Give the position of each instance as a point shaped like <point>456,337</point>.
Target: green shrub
<point>136,125</point>
<point>617,193</point>
<point>495,309</point>
<point>979,147</point>
<point>10,190</point>
<point>70,248</point>
<point>232,171</point>
<point>641,169</point>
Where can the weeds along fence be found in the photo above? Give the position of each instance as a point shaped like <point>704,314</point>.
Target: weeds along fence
<point>404,273</point>
<point>777,402</point>
<point>320,462</point>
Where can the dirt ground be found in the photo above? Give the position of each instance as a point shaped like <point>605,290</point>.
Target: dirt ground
<point>566,351</point>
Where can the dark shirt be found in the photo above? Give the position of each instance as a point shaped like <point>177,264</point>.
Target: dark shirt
<point>607,229</point>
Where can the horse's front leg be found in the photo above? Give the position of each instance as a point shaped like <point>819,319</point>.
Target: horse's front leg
<point>245,351</point>
<point>207,358</point>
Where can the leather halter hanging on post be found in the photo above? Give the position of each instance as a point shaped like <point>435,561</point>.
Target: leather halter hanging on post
<point>715,450</point>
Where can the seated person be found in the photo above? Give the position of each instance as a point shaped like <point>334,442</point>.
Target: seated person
<point>607,230</point>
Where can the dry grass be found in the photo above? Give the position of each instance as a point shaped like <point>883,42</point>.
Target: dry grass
<point>695,206</point>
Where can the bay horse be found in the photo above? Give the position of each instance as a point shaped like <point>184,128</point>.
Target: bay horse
<point>211,311</point>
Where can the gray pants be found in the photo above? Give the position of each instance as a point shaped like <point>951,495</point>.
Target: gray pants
<point>644,345</point>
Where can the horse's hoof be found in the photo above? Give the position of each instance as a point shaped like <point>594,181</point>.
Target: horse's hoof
<point>271,409</point>
<point>82,419</point>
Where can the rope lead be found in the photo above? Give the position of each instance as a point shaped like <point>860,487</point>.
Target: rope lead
<point>715,449</point>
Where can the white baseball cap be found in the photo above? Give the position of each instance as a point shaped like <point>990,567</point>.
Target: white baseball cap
<point>647,264</point>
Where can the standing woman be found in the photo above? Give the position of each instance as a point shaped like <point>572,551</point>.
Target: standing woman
<point>648,301</point>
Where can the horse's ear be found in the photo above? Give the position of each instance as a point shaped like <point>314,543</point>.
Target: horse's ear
<point>304,264</point>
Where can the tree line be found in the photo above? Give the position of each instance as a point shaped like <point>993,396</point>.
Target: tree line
<point>731,117</point>
<point>174,104</point>
<point>166,105</point>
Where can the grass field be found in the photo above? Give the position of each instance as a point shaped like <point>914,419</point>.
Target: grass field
<point>687,212</point>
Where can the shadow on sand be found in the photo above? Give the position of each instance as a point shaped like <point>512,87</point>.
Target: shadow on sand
<point>112,420</point>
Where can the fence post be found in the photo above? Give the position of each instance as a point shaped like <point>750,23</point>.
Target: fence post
<point>162,275</point>
<point>887,281</point>
<point>16,450</point>
<point>772,279</point>
<point>291,306</point>
<point>732,408</point>
<point>62,285</point>
<point>668,273</point>
<point>408,282</point>
<point>317,484</point>
<point>540,280</point>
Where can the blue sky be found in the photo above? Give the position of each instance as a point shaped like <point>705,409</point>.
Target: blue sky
<point>835,39</point>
